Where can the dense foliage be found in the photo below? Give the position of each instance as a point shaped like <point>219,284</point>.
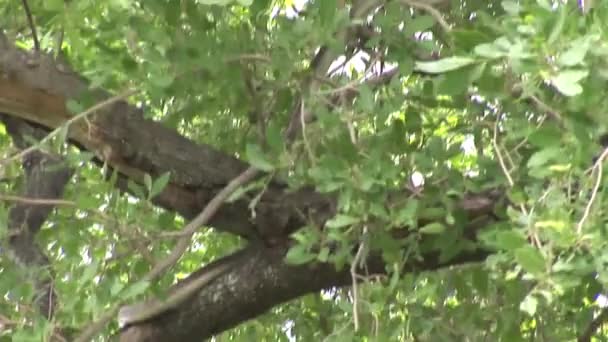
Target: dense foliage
<point>425,102</point>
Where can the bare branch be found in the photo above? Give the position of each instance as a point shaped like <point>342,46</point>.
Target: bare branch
<point>182,245</point>
<point>598,181</point>
<point>430,10</point>
<point>30,20</point>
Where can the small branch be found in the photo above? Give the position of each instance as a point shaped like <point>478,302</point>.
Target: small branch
<point>367,74</point>
<point>552,112</point>
<point>59,42</point>
<point>311,155</point>
<point>432,11</point>
<point>36,201</point>
<point>30,20</point>
<point>182,245</point>
<point>353,274</point>
<point>501,161</point>
<point>248,57</point>
<point>598,181</point>
<point>212,207</point>
<point>593,326</point>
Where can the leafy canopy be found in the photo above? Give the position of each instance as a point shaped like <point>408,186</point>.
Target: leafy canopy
<point>510,95</point>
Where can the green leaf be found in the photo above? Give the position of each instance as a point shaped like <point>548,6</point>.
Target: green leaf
<point>573,56</point>
<point>54,5</point>
<point>89,273</point>
<point>256,157</point>
<point>559,26</point>
<point>545,4</point>
<point>148,183</point>
<point>323,254</point>
<point>511,7</point>
<point>480,280</point>
<point>61,135</point>
<point>489,50</point>
<point>510,240</point>
<point>162,80</point>
<point>159,184</point>
<point>566,82</point>
<point>544,156</point>
<point>80,157</point>
<point>529,304</point>
<point>419,24</point>
<point>135,290</point>
<point>236,194</point>
<point>74,107</point>
<point>407,215</point>
<point>216,2</point>
<point>444,65</point>
<point>135,188</point>
<point>298,255</point>
<point>328,9</point>
<point>274,138</point>
<point>433,228</point>
<point>116,287</point>
<point>366,98</point>
<point>546,136</point>
<point>455,82</point>
<point>530,259</point>
<point>342,220</point>
<point>432,213</point>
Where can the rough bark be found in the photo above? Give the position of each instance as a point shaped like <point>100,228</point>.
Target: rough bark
<point>35,89</point>
<point>261,280</point>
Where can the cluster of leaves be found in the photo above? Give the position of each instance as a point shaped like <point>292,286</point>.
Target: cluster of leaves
<point>515,101</point>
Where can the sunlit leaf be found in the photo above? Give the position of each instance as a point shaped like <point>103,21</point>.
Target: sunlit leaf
<point>530,259</point>
<point>444,65</point>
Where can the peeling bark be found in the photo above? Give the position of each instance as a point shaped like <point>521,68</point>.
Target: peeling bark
<point>121,137</point>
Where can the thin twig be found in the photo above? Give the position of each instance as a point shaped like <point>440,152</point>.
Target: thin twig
<point>30,20</point>
<point>593,326</point>
<point>304,137</point>
<point>182,245</point>
<point>353,273</point>
<point>203,218</point>
<point>352,84</point>
<point>552,112</point>
<point>67,124</point>
<point>430,10</point>
<point>36,201</point>
<point>59,42</point>
<point>248,57</point>
<point>503,166</point>
<point>598,181</point>
<point>501,161</point>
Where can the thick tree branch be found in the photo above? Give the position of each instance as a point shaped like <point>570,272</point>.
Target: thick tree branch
<point>134,146</point>
<point>259,281</point>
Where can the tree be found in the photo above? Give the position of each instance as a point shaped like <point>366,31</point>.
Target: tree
<point>320,170</point>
